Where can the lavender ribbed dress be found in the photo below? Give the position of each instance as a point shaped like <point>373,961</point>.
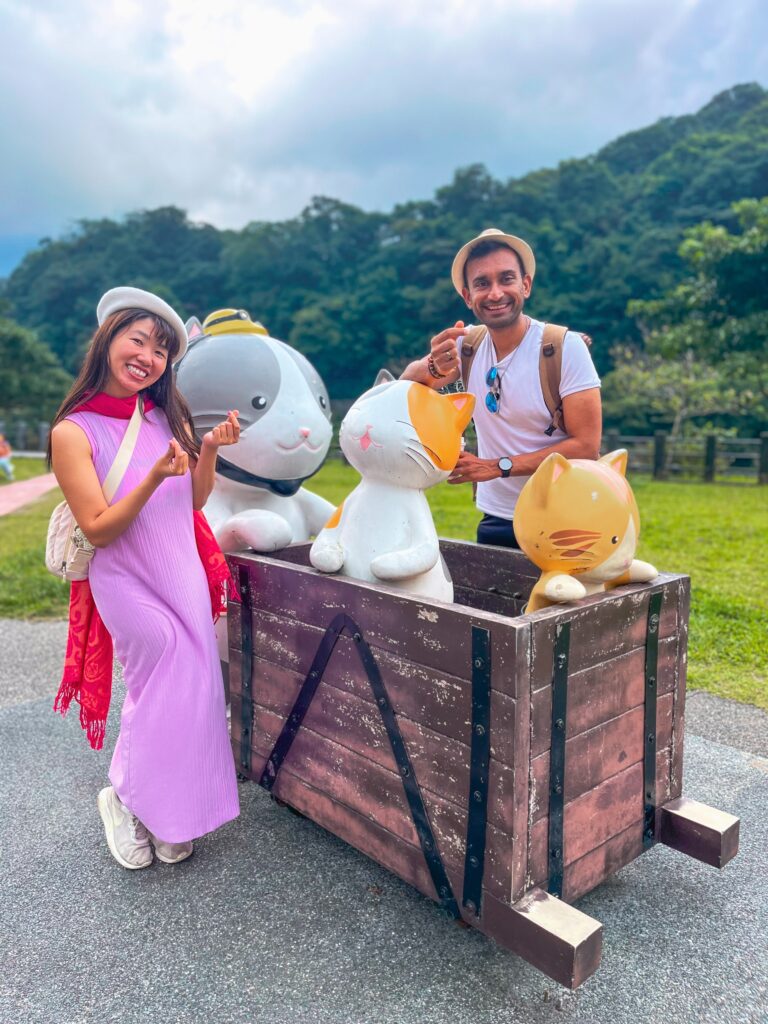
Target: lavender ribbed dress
<point>173,764</point>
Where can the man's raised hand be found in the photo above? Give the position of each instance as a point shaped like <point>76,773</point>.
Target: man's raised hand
<point>443,352</point>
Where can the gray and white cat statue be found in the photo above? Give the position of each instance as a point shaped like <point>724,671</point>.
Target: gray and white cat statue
<point>258,501</point>
<point>402,438</point>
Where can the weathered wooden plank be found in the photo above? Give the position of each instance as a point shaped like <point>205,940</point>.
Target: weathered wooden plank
<point>521,767</point>
<point>699,831</point>
<point>595,817</point>
<point>593,756</point>
<point>583,875</point>
<point>402,859</point>
<point>562,942</point>
<point>471,565</point>
<point>377,793</point>
<point>678,729</point>
<point>483,600</point>
<point>439,700</point>
<point>441,764</point>
<point>602,627</point>
<point>559,940</point>
<point>590,820</point>
<point>603,691</point>
<point>295,554</point>
<point>427,632</point>
<point>481,567</point>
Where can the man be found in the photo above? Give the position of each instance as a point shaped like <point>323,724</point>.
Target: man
<point>494,273</point>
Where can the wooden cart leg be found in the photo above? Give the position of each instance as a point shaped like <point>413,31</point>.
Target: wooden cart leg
<point>702,832</point>
<point>551,935</point>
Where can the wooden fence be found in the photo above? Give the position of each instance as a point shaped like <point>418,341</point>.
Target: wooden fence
<point>710,458</point>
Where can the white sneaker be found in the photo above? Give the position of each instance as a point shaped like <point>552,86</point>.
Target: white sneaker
<point>127,838</point>
<point>171,853</point>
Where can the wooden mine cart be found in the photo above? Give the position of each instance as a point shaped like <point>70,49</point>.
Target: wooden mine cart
<point>503,764</point>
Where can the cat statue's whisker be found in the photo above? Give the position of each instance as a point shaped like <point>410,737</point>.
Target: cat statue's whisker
<point>421,454</point>
<point>434,455</point>
<point>410,455</point>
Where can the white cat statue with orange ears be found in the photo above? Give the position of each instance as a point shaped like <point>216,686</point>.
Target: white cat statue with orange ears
<point>402,438</point>
<point>577,520</point>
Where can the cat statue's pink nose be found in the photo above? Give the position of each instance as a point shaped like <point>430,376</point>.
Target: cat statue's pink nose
<point>305,431</point>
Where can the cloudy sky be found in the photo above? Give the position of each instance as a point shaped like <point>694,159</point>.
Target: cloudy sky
<point>240,111</point>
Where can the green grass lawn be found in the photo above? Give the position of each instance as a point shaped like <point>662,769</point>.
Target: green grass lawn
<point>24,469</point>
<point>715,533</point>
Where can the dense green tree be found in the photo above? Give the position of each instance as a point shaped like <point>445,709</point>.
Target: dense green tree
<point>354,289</point>
<point>706,340</point>
<point>32,381</point>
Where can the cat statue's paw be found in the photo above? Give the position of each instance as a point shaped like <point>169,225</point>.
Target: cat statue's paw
<point>326,556</point>
<point>258,529</point>
<point>402,565</point>
<point>642,572</point>
<point>564,588</point>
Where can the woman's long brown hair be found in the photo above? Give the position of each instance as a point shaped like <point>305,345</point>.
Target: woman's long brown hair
<point>95,373</point>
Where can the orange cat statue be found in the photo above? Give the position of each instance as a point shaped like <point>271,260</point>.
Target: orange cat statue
<point>577,520</point>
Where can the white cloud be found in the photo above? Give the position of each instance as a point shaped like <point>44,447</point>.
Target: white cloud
<point>240,111</point>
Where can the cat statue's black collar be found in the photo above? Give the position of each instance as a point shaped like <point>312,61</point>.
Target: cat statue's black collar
<point>284,488</point>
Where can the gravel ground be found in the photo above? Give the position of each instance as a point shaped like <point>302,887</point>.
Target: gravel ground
<point>274,920</point>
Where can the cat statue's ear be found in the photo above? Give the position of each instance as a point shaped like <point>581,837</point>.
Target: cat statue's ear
<point>542,480</point>
<point>617,461</point>
<point>195,332</point>
<point>463,405</point>
<point>383,377</point>
<point>193,327</point>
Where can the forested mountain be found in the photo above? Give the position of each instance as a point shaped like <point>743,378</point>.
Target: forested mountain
<point>356,290</point>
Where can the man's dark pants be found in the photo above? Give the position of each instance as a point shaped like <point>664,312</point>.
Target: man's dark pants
<point>493,530</point>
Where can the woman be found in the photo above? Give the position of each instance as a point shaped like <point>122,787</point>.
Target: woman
<point>172,773</point>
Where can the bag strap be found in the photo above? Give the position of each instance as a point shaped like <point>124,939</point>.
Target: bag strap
<point>469,346</point>
<point>124,453</point>
<point>550,372</point>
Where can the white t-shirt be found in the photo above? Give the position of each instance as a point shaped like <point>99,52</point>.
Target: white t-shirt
<point>523,416</point>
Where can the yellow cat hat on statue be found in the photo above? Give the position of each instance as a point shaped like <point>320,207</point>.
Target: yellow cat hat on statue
<point>579,518</point>
<point>232,321</point>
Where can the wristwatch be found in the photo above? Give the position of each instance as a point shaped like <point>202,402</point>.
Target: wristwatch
<point>505,465</point>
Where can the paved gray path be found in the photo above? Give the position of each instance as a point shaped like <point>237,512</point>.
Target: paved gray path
<point>17,495</point>
<point>274,920</point>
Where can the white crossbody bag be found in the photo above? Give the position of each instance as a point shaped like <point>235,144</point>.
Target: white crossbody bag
<point>68,552</point>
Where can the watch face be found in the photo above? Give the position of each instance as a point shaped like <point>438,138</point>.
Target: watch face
<point>505,465</point>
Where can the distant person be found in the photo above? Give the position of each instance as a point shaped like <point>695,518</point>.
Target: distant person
<point>172,773</point>
<point>515,429</point>
<point>6,465</point>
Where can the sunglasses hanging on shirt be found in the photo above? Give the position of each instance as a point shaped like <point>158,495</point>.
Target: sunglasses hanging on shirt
<point>493,382</point>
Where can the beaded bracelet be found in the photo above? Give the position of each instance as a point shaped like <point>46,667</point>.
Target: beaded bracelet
<point>434,370</point>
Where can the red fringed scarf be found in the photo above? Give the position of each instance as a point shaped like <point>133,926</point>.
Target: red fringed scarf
<point>87,673</point>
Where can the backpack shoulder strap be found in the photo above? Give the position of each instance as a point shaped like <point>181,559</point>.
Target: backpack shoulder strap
<point>469,345</point>
<point>550,370</point>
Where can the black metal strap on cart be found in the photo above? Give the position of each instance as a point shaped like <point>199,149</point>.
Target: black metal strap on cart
<point>480,755</point>
<point>557,757</point>
<point>649,768</point>
<point>412,792</point>
<point>246,670</point>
